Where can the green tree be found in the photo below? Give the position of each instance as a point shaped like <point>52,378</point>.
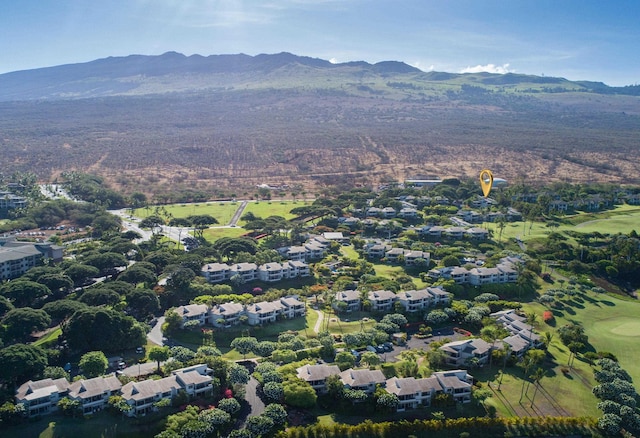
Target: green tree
<point>345,359</point>
<point>24,293</point>
<point>20,362</point>
<point>244,345</point>
<point>159,354</point>
<point>299,394</point>
<point>142,303</point>
<point>276,412</point>
<point>100,296</point>
<point>259,425</point>
<point>102,329</point>
<point>137,274</point>
<point>63,309</point>
<point>370,358</point>
<point>20,323</point>
<point>93,364</point>
<point>5,306</point>
<point>237,374</point>
<point>229,405</point>
<point>59,284</point>
<point>70,407</point>
<point>106,262</point>
<point>79,273</point>
<point>451,260</point>
<point>172,322</point>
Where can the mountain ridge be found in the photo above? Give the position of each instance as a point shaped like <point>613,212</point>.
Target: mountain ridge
<point>135,75</point>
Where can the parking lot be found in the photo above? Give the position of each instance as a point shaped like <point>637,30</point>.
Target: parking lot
<point>414,343</point>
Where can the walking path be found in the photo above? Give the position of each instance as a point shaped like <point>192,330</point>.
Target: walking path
<point>316,328</point>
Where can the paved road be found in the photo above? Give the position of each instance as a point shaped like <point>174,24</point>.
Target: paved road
<point>155,335</point>
<point>251,395</point>
<point>238,213</point>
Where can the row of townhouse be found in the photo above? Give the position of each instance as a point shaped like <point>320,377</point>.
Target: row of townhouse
<point>269,272</point>
<point>411,392</point>
<point>522,338</point>
<point>393,255</point>
<point>384,300</point>
<point>228,314</point>
<point>390,212</point>
<point>591,202</point>
<point>437,231</point>
<point>314,248</point>
<point>42,396</point>
<point>474,217</point>
<point>17,257</point>
<point>504,272</point>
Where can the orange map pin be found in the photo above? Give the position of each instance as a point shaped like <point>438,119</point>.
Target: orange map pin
<point>486,181</point>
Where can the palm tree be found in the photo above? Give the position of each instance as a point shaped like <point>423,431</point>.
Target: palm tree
<point>548,336</point>
<point>490,334</point>
<point>537,376</point>
<point>501,226</point>
<point>507,353</point>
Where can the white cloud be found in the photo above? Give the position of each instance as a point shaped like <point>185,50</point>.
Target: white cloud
<point>489,68</point>
<point>419,65</point>
<point>334,61</point>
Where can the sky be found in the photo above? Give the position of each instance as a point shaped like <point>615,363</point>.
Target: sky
<point>574,39</point>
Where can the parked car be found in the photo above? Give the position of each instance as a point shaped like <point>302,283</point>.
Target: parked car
<point>372,349</point>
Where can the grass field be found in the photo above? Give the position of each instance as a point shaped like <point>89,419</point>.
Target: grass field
<point>49,338</point>
<point>611,325</point>
<point>101,425</point>
<point>213,234</point>
<point>622,219</point>
<point>265,209</point>
<point>222,211</point>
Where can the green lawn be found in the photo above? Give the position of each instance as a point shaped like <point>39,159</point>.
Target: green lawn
<point>49,338</point>
<point>622,219</point>
<point>215,233</point>
<point>265,209</point>
<point>624,223</point>
<point>222,211</point>
<point>612,325</point>
<point>100,425</point>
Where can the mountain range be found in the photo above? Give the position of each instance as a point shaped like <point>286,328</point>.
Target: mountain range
<point>218,123</point>
<point>175,72</point>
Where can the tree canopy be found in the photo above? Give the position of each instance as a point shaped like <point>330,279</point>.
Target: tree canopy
<point>99,328</point>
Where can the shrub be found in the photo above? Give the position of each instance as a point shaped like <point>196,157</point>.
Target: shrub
<point>547,316</point>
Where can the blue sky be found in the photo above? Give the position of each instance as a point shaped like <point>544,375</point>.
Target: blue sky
<point>578,40</point>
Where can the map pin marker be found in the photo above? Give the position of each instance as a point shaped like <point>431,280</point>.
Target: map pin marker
<point>486,181</point>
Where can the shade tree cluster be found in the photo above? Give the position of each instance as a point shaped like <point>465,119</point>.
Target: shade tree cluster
<point>618,399</point>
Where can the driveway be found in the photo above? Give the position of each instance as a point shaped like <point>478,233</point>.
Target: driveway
<point>155,335</point>
<point>256,405</point>
<point>141,369</point>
